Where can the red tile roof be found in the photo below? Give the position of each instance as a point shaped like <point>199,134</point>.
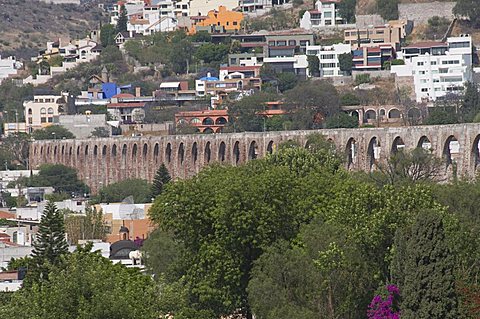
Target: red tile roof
<point>123,96</point>
<point>6,215</point>
<point>427,44</point>
<point>125,105</point>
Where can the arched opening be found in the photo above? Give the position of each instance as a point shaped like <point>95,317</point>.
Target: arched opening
<point>208,121</point>
<point>270,147</point>
<point>414,113</point>
<point>424,142</point>
<point>86,150</point>
<point>451,149</point>
<point>381,113</point>
<point>181,154</point>
<point>145,150</point>
<point>104,150</point>
<point>194,153</point>
<point>221,152</point>
<point>370,115</point>
<point>124,150</point>
<point>220,121</point>
<point>78,150</point>
<point>476,152</point>
<point>236,152</point>
<point>253,151</point>
<point>95,150</point>
<point>55,150</point>
<point>168,153</point>
<point>208,130</point>
<point>373,152</point>
<point>41,150</point>
<point>114,150</point>
<point>394,114</point>
<point>134,151</point>
<point>63,150</point>
<point>156,151</point>
<point>208,153</point>
<point>397,145</point>
<point>351,152</point>
<point>70,151</point>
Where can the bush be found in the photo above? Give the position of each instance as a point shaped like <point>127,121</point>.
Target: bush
<point>362,78</point>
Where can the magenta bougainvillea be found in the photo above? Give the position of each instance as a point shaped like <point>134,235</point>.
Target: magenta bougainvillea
<point>385,307</point>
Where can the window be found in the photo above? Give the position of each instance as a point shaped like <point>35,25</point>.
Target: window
<point>424,90</point>
<point>50,120</point>
<point>454,45</point>
<point>50,110</point>
<point>421,72</point>
<point>433,63</point>
<point>43,119</point>
<point>271,43</point>
<point>423,81</point>
<point>328,65</point>
<point>292,42</point>
<point>43,111</point>
<point>30,120</point>
<point>451,62</point>
<point>281,43</point>
<point>235,23</point>
<point>303,43</point>
<point>328,22</point>
<point>379,31</point>
<point>327,56</point>
<point>327,14</point>
<point>419,63</point>
<point>29,111</point>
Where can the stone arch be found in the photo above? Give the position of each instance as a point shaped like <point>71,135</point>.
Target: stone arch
<point>236,153</point>
<point>194,153</point>
<point>221,121</point>
<point>70,151</point>
<point>394,113</point>
<point>208,130</point>
<point>208,153</point>
<point>124,151</point>
<point>373,151</point>
<point>145,151</point>
<point>424,142</point>
<point>86,150</point>
<point>382,113</point>
<point>114,150</point>
<point>208,121</point>
<point>104,150</point>
<point>397,145</point>
<point>95,150</point>
<point>476,153</point>
<point>41,150</point>
<point>450,148</point>
<point>78,150</point>
<point>63,150</point>
<point>370,115</point>
<point>181,154</point>
<point>221,151</point>
<point>156,152</point>
<point>134,151</point>
<point>55,151</point>
<point>168,153</point>
<point>252,150</point>
<point>270,147</point>
<point>351,153</point>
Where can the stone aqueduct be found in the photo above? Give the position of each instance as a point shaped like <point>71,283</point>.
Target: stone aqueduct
<point>106,160</point>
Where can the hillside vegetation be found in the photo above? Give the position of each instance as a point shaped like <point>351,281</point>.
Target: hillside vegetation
<point>26,26</point>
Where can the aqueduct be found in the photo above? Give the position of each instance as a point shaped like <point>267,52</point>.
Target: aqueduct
<point>103,161</point>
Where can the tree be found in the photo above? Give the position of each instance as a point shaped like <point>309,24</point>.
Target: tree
<point>14,151</point>
<point>53,132</point>
<point>349,99</point>
<point>122,20</point>
<point>87,285</point>
<point>346,62</point>
<point>426,277</point>
<point>388,9</point>
<point>212,54</point>
<point>243,113</point>
<point>286,81</point>
<point>139,189</point>
<point>100,132</point>
<point>341,120</point>
<point>437,27</point>
<point>82,227</point>
<point>470,103</point>
<point>107,35</point>
<point>50,243</point>
<point>313,65</point>
<point>468,8</point>
<point>346,10</point>
<point>385,308</point>
<point>64,179</point>
<point>161,179</point>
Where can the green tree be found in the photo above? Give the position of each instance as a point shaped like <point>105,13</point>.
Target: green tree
<point>468,8</point>
<point>436,27</point>
<point>441,115</point>
<point>52,132</point>
<point>426,273</point>
<point>87,285</point>
<point>107,35</point>
<point>341,120</point>
<point>139,189</point>
<point>122,20</point>
<point>349,99</point>
<point>388,9</point>
<point>50,243</point>
<point>244,113</point>
<point>286,81</point>
<point>100,132</point>
<point>212,54</point>
<point>82,227</point>
<point>313,65</point>
<point>64,179</point>
<point>161,179</point>
<point>346,10</point>
<point>346,62</point>
<point>470,103</point>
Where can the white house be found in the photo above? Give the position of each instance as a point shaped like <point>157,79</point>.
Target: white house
<point>328,57</point>
<point>437,68</point>
<point>325,14</point>
<point>8,67</point>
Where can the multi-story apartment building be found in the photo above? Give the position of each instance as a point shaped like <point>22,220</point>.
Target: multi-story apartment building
<point>248,6</point>
<point>372,58</point>
<point>43,110</point>
<point>437,68</point>
<point>224,19</point>
<point>131,6</point>
<point>287,43</point>
<point>328,58</point>
<point>325,14</point>
<point>8,66</point>
<point>392,33</point>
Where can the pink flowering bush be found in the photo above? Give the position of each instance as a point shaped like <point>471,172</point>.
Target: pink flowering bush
<point>385,307</point>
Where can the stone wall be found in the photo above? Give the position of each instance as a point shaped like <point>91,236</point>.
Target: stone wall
<point>419,13</point>
<point>108,160</point>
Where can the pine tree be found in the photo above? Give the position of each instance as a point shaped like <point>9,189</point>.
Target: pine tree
<point>50,243</point>
<point>122,20</point>
<point>428,285</point>
<point>162,177</point>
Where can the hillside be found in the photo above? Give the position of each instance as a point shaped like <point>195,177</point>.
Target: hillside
<point>369,6</point>
<point>26,26</point>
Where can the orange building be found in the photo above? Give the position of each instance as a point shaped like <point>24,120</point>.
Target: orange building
<point>219,21</point>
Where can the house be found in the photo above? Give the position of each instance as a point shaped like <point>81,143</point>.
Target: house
<point>328,57</point>
<point>393,33</point>
<point>44,110</point>
<point>9,66</point>
<point>437,68</point>
<point>297,64</point>
<point>239,72</point>
<point>250,6</point>
<point>245,59</point>
<point>155,18</point>
<point>126,109</point>
<point>372,58</point>
<point>287,43</point>
<point>206,121</point>
<point>324,15</point>
<point>221,21</point>
<point>175,91</point>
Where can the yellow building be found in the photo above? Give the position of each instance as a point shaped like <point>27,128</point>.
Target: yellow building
<point>219,21</point>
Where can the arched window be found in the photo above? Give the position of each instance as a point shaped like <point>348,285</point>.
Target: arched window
<point>50,110</point>
<point>30,112</point>
<point>195,120</point>
<point>43,111</point>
